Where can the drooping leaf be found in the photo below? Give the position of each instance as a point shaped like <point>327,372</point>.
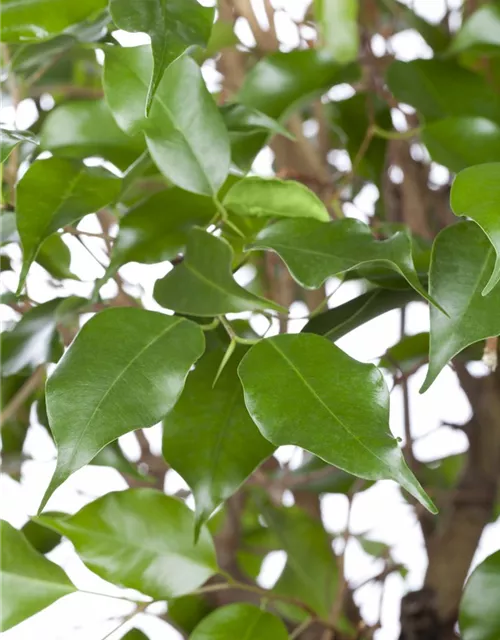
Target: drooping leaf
<point>29,582</point>
<point>209,438</point>
<point>202,285</point>
<point>125,370</point>
<point>475,193</point>
<point>56,192</point>
<point>55,257</point>
<point>38,19</point>
<point>293,381</point>
<point>141,539</point>
<point>10,139</point>
<point>462,261</point>
<point>480,32</point>
<point>338,23</point>
<point>173,25</point>
<point>479,619</point>
<point>240,620</point>
<point>314,251</point>
<point>262,197</point>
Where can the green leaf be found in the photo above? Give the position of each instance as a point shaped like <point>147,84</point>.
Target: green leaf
<point>475,193</point>
<point>434,34</point>
<point>318,476</point>
<point>186,135</point>
<point>274,198</point>
<point>209,438</point>
<point>440,89</point>
<point>480,31</point>
<point>173,25</point>
<point>462,261</point>
<point>125,370</point>
<point>202,285</point>
<point>29,582</point>
<point>407,355</point>
<point>314,251</point>
<point>55,257</point>
<point>56,192</point>
<point>240,620</point>
<point>338,23</point>
<point>292,381</point>
<point>479,619</point>
<point>186,612</point>
<point>135,634</point>
<point>10,139</point>
<point>38,19</point>
<point>140,539</point>
<point>458,143</point>
<point>41,538</point>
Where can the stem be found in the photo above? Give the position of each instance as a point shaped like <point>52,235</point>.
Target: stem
<point>23,394</point>
<point>395,135</point>
<point>141,603</point>
<point>296,633</point>
<point>235,338</point>
<point>408,448</point>
<point>211,325</point>
<point>225,217</point>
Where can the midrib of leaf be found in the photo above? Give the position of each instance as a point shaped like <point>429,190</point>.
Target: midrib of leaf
<point>354,315</point>
<point>251,627</point>
<point>323,404</point>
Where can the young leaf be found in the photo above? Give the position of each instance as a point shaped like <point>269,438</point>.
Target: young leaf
<point>476,193</point>
<point>462,261</point>
<point>173,25</point>
<point>314,251</point>
<point>56,192</point>
<point>274,198</point>
<point>202,285</point>
<point>10,139</point>
<point>338,22</point>
<point>141,539</point>
<point>29,582</point>
<point>293,381</point>
<point>479,619</point>
<point>240,620</point>
<point>125,370</point>
<point>209,438</point>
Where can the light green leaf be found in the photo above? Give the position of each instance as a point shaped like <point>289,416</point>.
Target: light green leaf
<point>186,135</point>
<point>475,193</point>
<point>203,285</point>
<point>29,582</point>
<point>55,257</point>
<point>314,251</point>
<point>125,370</point>
<point>480,31</point>
<point>39,19</point>
<point>56,192</point>
<point>141,539</point>
<point>462,261</point>
<point>479,619</point>
<point>240,620</point>
<point>293,381</point>
<point>10,139</point>
<point>338,22</point>
<point>274,198</point>
<point>173,25</point>
<point>209,438</point>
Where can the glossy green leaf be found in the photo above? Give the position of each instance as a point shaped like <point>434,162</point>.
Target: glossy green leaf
<point>240,620</point>
<point>462,261</point>
<point>125,370</point>
<point>141,539</point>
<point>203,285</point>
<point>479,619</point>
<point>55,257</point>
<point>475,193</point>
<point>204,433</point>
<point>314,251</point>
<point>186,135</point>
<point>293,381</point>
<point>38,19</point>
<point>440,89</point>
<point>173,25</point>
<point>338,23</point>
<point>262,197</point>
<point>41,538</point>
<point>56,192</point>
<point>29,582</point>
<point>458,143</point>
<point>481,31</point>
<point>10,139</point>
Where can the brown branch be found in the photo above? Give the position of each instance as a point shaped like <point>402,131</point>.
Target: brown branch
<point>30,386</point>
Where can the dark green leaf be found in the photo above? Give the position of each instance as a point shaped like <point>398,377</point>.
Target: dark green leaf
<point>29,582</point>
<point>479,619</point>
<point>113,456</point>
<point>173,25</point>
<point>293,381</point>
<point>481,31</point>
<point>338,24</point>
<point>41,538</point>
<point>408,355</point>
<point>141,539</point>
<point>462,261</point>
<point>240,620</point>
<point>135,634</point>
<point>125,370</point>
<point>318,476</point>
<point>209,438</point>
<point>202,285</point>
<point>10,139</point>
<point>55,257</point>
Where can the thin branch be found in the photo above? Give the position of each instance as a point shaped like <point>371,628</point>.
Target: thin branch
<point>23,394</point>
